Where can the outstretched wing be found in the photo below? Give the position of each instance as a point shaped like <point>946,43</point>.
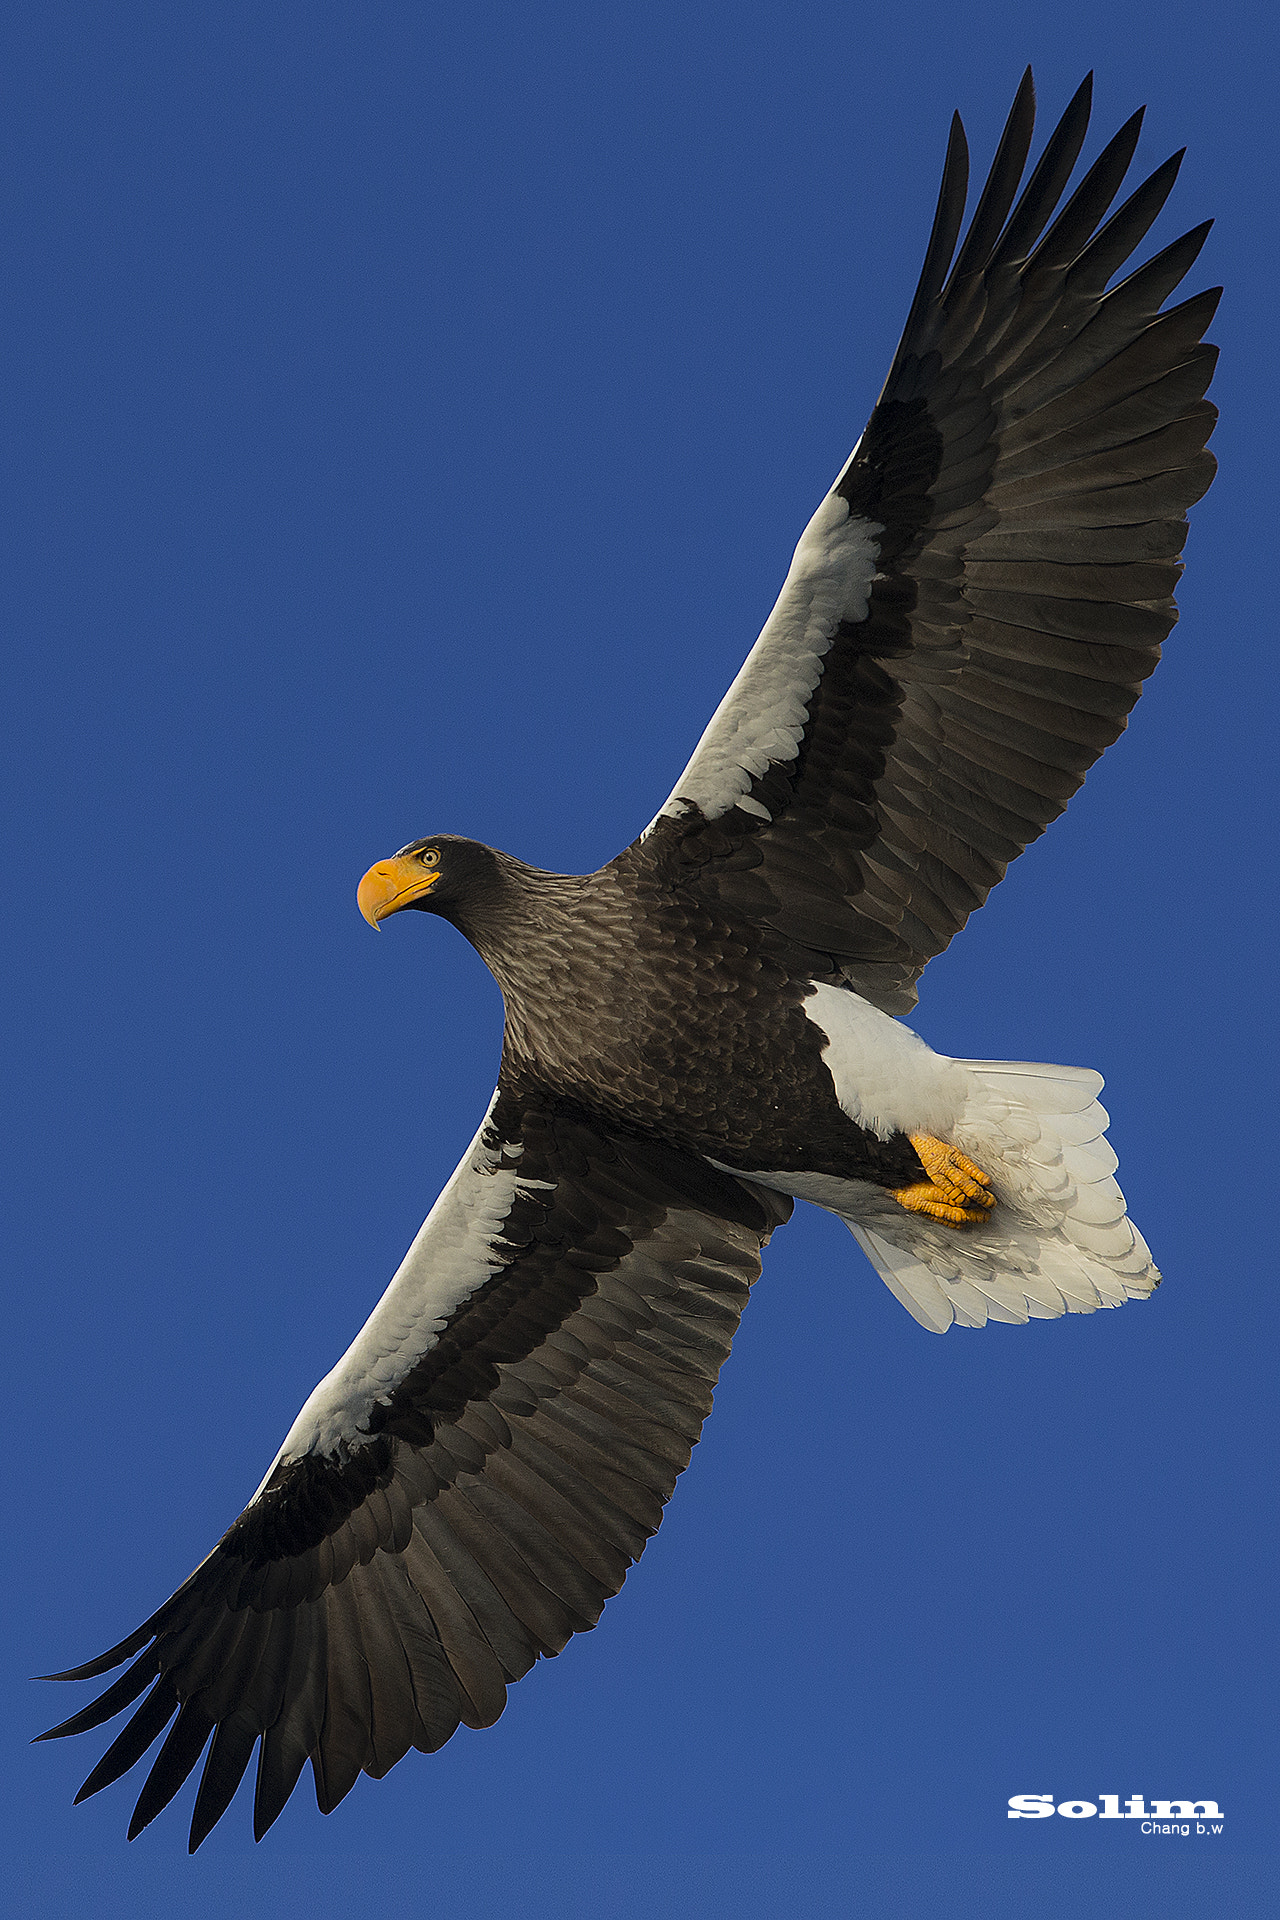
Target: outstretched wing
<point>971,613</point>
<point>468,1486</point>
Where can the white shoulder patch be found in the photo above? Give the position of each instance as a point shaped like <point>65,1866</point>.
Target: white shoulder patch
<point>763,716</point>
<point>451,1257</point>
<point>886,1078</point>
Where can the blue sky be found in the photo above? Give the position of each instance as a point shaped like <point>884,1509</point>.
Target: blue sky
<point>411,412</point>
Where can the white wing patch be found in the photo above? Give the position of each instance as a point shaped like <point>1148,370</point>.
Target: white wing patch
<point>451,1257</point>
<point>763,716</point>
<point>886,1077</point>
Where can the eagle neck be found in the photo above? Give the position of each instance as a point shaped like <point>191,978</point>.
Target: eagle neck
<point>539,936</point>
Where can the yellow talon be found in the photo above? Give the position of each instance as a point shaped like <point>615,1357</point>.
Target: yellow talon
<point>956,1191</point>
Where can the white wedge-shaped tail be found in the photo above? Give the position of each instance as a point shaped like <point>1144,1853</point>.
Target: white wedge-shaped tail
<point>1059,1239</point>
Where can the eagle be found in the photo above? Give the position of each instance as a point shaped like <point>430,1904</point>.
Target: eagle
<point>707,1028</point>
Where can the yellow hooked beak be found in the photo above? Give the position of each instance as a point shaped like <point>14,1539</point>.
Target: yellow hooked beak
<point>393,884</point>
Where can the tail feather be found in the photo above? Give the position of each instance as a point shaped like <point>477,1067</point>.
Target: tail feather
<point>1059,1240</point>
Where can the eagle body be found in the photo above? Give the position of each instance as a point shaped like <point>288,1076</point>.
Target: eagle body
<point>625,993</point>
<point>632,1000</point>
<point>708,1028</point>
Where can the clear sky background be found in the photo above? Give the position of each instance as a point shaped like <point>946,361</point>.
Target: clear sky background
<point>410,414</point>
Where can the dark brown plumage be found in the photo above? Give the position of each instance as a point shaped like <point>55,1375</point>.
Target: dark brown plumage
<point>967,625</point>
<point>632,995</point>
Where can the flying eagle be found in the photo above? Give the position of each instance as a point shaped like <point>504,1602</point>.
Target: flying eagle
<point>706,1029</point>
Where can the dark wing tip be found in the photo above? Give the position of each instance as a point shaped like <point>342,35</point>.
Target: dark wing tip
<point>113,1657</point>
<point>129,1745</point>
<point>948,219</point>
<point>225,1767</point>
<point>1077,111</point>
<point>120,1694</point>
